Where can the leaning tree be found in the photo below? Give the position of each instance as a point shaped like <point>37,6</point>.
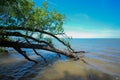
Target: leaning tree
<point>25,25</point>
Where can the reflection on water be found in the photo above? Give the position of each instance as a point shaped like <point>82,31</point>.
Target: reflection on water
<point>103,57</point>
<point>15,68</point>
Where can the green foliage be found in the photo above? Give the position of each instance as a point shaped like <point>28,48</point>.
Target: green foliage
<point>2,51</point>
<point>24,13</point>
<point>49,40</point>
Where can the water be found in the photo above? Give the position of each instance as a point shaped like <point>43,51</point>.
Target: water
<point>102,55</point>
<point>103,49</point>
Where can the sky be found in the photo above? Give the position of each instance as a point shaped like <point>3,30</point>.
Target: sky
<point>89,18</point>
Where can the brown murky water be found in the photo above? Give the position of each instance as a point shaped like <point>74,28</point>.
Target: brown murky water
<point>77,70</point>
<point>102,57</point>
<point>20,69</point>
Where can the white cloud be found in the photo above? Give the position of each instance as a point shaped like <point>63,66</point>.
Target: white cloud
<point>82,26</point>
<point>86,33</point>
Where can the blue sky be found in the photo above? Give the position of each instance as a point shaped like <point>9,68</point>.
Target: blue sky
<point>89,18</point>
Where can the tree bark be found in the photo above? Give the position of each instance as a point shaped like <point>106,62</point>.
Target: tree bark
<point>35,30</point>
<point>18,45</point>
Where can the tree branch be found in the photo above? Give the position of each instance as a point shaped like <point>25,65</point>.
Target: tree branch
<point>36,30</point>
<point>37,52</point>
<point>6,43</point>
<point>22,53</point>
<point>24,36</point>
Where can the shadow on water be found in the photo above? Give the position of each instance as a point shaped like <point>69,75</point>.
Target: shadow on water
<point>61,70</point>
<point>15,67</point>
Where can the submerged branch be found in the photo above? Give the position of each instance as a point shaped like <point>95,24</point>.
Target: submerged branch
<point>24,54</point>
<point>37,52</point>
<point>18,45</point>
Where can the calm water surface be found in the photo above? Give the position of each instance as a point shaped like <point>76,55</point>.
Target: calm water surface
<point>103,55</point>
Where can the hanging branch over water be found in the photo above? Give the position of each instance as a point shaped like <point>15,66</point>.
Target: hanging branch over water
<point>36,51</point>
<point>18,45</point>
<point>22,20</point>
<point>36,30</point>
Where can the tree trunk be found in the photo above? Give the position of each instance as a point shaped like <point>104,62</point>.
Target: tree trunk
<point>18,45</point>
